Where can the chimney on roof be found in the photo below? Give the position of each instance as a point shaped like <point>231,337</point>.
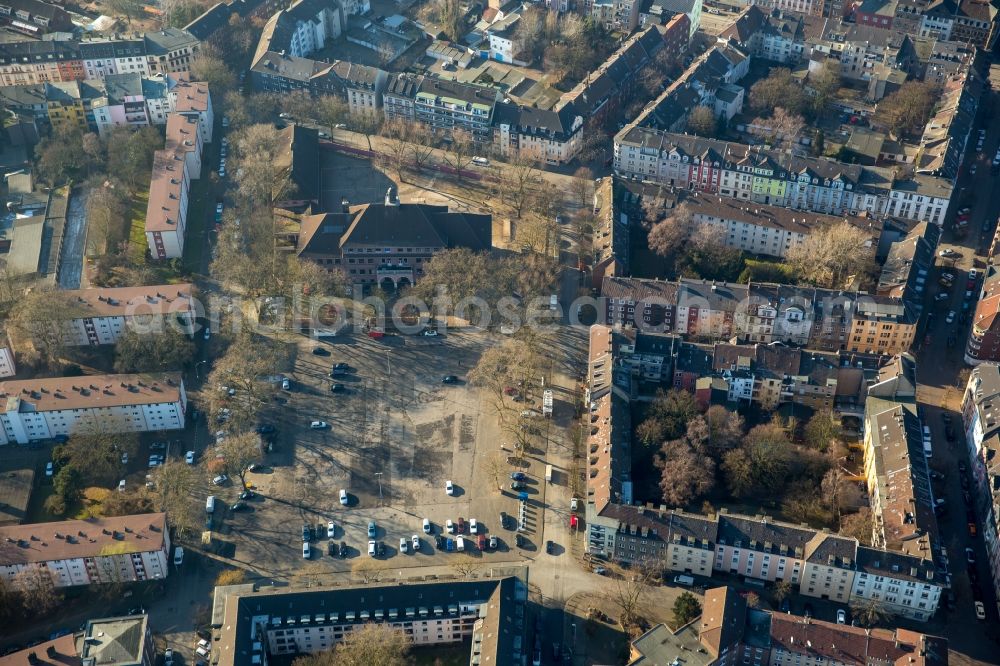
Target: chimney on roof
<point>32,657</point>
<point>51,651</point>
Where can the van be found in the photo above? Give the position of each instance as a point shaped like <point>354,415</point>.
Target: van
<point>210,504</point>
<point>371,549</point>
<point>178,555</point>
<point>684,579</point>
<point>459,544</point>
<point>548,473</point>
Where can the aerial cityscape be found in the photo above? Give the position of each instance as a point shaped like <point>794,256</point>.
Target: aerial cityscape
<point>485,332</point>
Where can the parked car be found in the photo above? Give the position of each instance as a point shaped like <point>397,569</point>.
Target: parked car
<point>307,532</point>
<point>220,479</point>
<point>319,425</point>
<point>189,457</point>
<point>320,351</point>
<point>449,379</point>
<point>331,529</point>
<point>517,476</point>
<point>371,528</point>
<point>415,542</point>
<point>404,545</point>
<point>980,610</point>
<point>449,487</point>
<point>841,616</point>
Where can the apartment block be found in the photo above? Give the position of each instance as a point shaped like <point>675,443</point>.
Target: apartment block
<point>34,17</point>
<point>38,409</point>
<point>754,175</point>
<point>489,614</point>
<point>95,551</point>
<point>167,51</point>
<point>982,438</point>
<point>99,316</point>
<point>117,641</point>
<point>544,136</point>
<point>818,564</point>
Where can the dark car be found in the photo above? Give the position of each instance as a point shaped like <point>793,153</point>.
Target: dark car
<point>949,433</point>
<point>439,542</point>
<point>336,388</point>
<point>247,494</point>
<point>449,379</point>
<point>517,476</point>
<point>549,547</point>
<point>519,540</point>
<point>307,533</point>
<point>516,485</point>
<point>264,429</point>
<point>239,506</point>
<point>381,549</point>
<point>255,467</point>
<point>321,351</point>
<point>331,548</point>
<point>343,549</point>
<point>338,372</point>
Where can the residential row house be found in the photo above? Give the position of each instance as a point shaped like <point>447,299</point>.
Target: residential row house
<point>895,465</point>
<point>101,315</point>
<point>99,105</point>
<point>96,551</point>
<point>188,129</point>
<point>758,175</point>
<point>706,311</point>
<point>816,563</point>
<point>945,138</point>
<point>729,631</point>
<point>710,81</point>
<point>34,17</point>
<point>165,51</point>
<point>772,34</point>
<point>981,427</point>
<point>40,409</point>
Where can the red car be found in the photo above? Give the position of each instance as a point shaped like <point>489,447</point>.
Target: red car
<point>481,541</point>
<point>460,525</point>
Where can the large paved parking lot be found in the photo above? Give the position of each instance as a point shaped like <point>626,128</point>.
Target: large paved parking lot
<point>396,434</point>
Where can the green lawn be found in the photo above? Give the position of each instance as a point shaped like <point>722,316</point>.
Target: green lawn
<point>457,655</point>
<point>137,227</point>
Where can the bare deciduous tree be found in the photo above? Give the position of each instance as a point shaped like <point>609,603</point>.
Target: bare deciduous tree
<point>829,256</point>
<point>367,645</point>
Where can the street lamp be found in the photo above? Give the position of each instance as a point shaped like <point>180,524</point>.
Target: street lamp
<point>378,475</point>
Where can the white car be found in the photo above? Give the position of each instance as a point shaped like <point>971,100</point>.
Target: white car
<point>331,529</point>
<point>449,526</point>
<point>950,318</point>
<point>473,526</point>
<point>219,480</point>
<point>415,542</point>
<point>841,616</point>
<point>343,497</point>
<point>189,457</point>
<point>980,610</point>
<point>121,486</point>
<point>427,525</point>
<point>430,333</point>
<point>125,458</point>
<point>48,469</point>
<point>208,333</point>
<point>306,553</point>
<point>286,384</point>
<point>318,425</point>
<point>947,252</point>
<point>449,487</point>
<point>404,545</point>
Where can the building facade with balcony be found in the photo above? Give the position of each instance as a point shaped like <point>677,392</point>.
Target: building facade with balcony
<point>39,409</point>
<point>97,551</point>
